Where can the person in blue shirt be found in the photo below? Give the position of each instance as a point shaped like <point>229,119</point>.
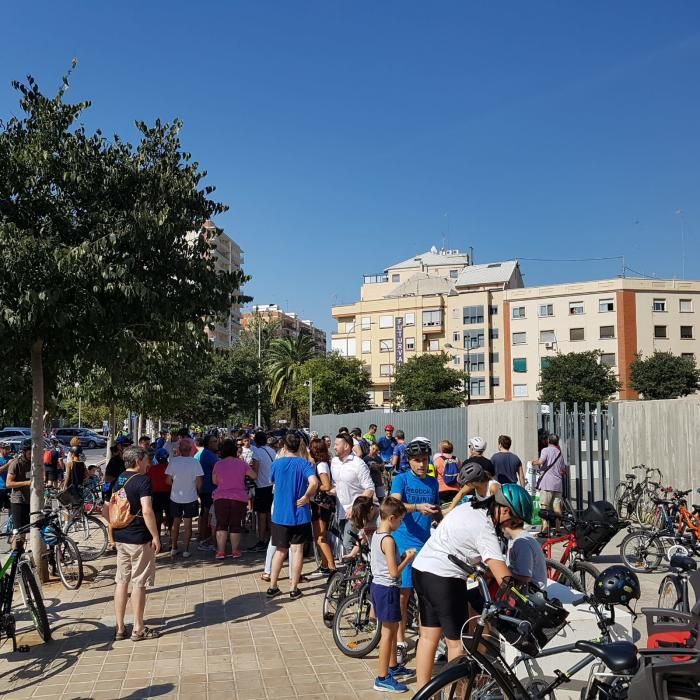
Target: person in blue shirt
<point>207,457</point>
<point>4,464</point>
<point>420,493</point>
<point>387,444</point>
<point>399,460</point>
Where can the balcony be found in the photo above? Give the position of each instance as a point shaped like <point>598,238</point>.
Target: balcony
<point>379,278</point>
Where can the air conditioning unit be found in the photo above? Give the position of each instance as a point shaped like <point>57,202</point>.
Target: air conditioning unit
<point>549,346</point>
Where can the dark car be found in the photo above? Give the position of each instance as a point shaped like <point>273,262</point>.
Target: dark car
<point>88,438</point>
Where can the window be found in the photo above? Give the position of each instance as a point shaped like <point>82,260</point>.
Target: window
<point>606,305</point>
<point>545,310</point>
<point>410,344</point>
<point>660,332</point>
<point>366,346</point>
<point>386,396</point>
<point>688,356</point>
<point>686,332</point>
<point>453,274</point>
<point>366,322</point>
<point>493,357</point>
<point>493,310</point>
<point>455,337</point>
<point>519,364</point>
<point>476,362</point>
<point>659,305</point>
<point>456,360</point>
<point>473,314</point>
<point>433,345</point>
<point>386,345</point>
<point>575,308</point>
<point>396,277</point>
<point>548,337</point>
<point>519,338</point>
<point>685,306</point>
<point>432,318</point>
<point>477,387</point>
<point>409,319</point>
<point>607,332</point>
<point>518,312</point>
<point>576,334</point>
<point>495,381</point>
<point>519,390</point>
<point>544,362</point>
<point>493,334</point>
<point>386,370</point>
<point>386,321</point>
<point>474,339</point>
<point>350,327</point>
<point>607,359</point>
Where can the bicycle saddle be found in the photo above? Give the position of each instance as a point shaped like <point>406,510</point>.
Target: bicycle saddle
<point>619,657</point>
<point>683,563</point>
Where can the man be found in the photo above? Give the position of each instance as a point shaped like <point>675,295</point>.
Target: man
<point>387,443</point>
<point>399,461</point>
<point>509,468</point>
<point>161,439</point>
<point>114,467</point>
<point>352,478</point>
<point>184,475</point>
<point>550,483</point>
<point>137,546</point>
<point>477,445</point>
<point>208,457</point>
<point>19,481</point>
<point>4,464</point>
<point>145,442</point>
<point>53,463</point>
<point>371,434</point>
<point>263,456</point>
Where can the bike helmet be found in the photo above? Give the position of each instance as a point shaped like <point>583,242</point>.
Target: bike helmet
<point>478,444</point>
<point>389,428</point>
<point>26,445</point>
<point>161,454</point>
<point>517,499</point>
<point>417,447</point>
<point>49,536</point>
<point>616,585</point>
<point>471,471</point>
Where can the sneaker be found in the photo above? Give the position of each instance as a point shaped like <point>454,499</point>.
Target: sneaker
<point>235,555</point>
<point>296,593</point>
<point>389,685</point>
<point>319,573</point>
<point>399,670</point>
<point>220,555</point>
<point>204,547</point>
<point>272,592</point>
<point>186,554</point>
<point>173,553</point>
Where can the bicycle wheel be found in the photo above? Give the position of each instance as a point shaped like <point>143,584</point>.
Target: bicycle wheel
<point>644,510</point>
<point>69,564</point>
<point>621,500</point>
<point>33,600</point>
<point>556,571</point>
<point>90,534</point>
<point>335,592</point>
<point>355,633</point>
<point>642,552</point>
<point>670,593</point>
<point>586,573</point>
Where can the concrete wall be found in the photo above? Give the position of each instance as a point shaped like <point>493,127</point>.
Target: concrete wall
<point>517,419</point>
<point>663,434</point>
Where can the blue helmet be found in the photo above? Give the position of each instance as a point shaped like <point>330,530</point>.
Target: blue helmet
<point>49,536</point>
<point>516,498</point>
<point>161,454</point>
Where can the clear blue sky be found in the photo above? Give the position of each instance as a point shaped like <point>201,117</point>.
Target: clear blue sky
<point>347,136</point>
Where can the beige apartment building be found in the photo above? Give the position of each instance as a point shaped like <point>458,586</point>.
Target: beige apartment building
<point>503,333</point>
<point>290,325</point>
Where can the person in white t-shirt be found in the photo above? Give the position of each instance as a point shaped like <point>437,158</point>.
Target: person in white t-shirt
<point>263,456</point>
<point>184,474</point>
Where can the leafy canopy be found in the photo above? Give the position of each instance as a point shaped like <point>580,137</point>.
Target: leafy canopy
<point>664,375</point>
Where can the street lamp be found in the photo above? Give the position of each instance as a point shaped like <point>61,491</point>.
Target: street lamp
<point>310,384</point>
<point>259,425</point>
<point>80,404</point>
<point>467,381</point>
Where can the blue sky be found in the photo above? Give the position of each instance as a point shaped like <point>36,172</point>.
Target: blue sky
<point>347,136</point>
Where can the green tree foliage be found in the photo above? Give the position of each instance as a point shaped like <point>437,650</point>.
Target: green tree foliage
<point>577,377</point>
<point>426,382</point>
<point>664,375</point>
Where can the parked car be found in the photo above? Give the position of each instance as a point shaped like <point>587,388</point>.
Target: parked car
<point>15,444</point>
<point>12,432</point>
<point>88,438</point>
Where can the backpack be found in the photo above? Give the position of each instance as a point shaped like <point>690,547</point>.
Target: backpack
<point>450,470</point>
<point>48,458</point>
<point>364,447</point>
<point>120,509</point>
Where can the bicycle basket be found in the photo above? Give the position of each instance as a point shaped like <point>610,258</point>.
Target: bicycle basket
<point>526,602</point>
<point>598,524</point>
<point>70,497</point>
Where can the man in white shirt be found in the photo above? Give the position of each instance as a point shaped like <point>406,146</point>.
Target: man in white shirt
<point>263,456</point>
<point>351,478</point>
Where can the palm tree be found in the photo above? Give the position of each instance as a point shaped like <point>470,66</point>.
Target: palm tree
<point>285,358</point>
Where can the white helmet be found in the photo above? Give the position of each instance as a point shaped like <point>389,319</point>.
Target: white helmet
<point>478,444</point>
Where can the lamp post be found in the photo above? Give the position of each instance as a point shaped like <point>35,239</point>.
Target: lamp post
<point>310,384</point>
<point>80,404</point>
<point>467,381</point>
<point>259,425</point>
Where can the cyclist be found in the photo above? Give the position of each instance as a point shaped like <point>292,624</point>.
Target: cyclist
<point>475,482</point>
<point>4,464</point>
<point>387,444</point>
<point>19,481</point>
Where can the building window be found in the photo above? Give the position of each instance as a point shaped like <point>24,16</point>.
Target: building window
<point>386,370</point>
<point>386,345</point>
<point>386,396</point>
<point>432,318</point>
<point>545,362</point>
<point>366,323</point>
<point>606,305</point>
<point>660,332</point>
<point>686,332</point>
<point>477,387</point>
<point>493,310</point>
<point>548,337</point>
<point>575,308</point>
<point>473,314</point>
<point>456,337</point>
<point>474,339</point>
<point>350,327</point>
<point>495,381</point>
<point>520,364</point>
<point>685,306</point>
<point>607,332</point>
<point>493,358</point>
<point>659,305</point>
<point>544,310</point>
<point>688,356</point>
<point>476,361</point>
<point>519,338</point>
<point>519,390</point>
<point>396,277</point>
<point>366,346</point>
<point>607,359</point>
<point>493,334</point>
<point>410,344</point>
<point>576,334</point>
<point>456,360</point>
<point>433,345</point>
<point>386,321</point>
<point>518,312</point>
<point>453,274</point>
<point>410,319</point>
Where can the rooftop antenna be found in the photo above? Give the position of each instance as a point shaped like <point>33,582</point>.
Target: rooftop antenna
<point>680,213</point>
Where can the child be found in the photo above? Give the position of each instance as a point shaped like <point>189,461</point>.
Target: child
<point>364,519</point>
<point>386,597</point>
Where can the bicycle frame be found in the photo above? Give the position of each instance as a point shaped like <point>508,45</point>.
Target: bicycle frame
<point>8,574</point>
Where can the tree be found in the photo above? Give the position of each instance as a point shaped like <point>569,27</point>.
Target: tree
<point>577,377</point>
<point>664,375</point>
<point>426,382</point>
<point>340,384</point>
<point>286,357</point>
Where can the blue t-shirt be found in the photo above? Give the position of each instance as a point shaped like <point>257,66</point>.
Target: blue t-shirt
<point>290,475</point>
<point>400,451</point>
<point>3,462</point>
<point>386,448</point>
<point>207,459</point>
<point>415,528</point>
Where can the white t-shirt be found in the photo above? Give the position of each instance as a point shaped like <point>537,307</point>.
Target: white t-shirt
<point>264,456</point>
<point>466,533</point>
<point>323,468</point>
<point>247,455</point>
<point>351,477</point>
<point>184,471</point>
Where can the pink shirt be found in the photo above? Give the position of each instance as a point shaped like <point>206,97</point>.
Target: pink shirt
<point>230,476</point>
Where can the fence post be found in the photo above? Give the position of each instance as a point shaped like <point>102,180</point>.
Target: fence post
<point>601,450</point>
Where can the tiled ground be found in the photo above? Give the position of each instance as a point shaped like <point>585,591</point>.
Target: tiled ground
<point>221,638</point>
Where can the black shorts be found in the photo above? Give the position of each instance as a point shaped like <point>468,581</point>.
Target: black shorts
<point>318,513</point>
<point>184,510</point>
<point>161,503</point>
<point>4,499</point>
<point>285,535</point>
<point>205,501</point>
<point>442,602</point>
<point>262,503</point>
<point>50,474</point>
<point>20,514</point>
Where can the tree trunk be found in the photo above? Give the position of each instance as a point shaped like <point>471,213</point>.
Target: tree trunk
<point>142,427</point>
<point>36,501</point>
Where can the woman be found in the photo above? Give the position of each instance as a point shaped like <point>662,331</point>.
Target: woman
<point>76,470</point>
<point>230,497</point>
<point>322,507</point>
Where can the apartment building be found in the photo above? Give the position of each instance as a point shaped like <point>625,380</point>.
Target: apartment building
<point>435,301</point>
<point>620,317</point>
<point>289,324</point>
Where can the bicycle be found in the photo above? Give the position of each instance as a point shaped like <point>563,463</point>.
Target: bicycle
<point>87,531</point>
<point>355,631</point>
<point>632,500</point>
<point>344,582</point>
<point>674,590</point>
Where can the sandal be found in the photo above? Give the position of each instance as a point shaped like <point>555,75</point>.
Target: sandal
<point>120,636</point>
<point>266,577</point>
<point>146,633</point>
